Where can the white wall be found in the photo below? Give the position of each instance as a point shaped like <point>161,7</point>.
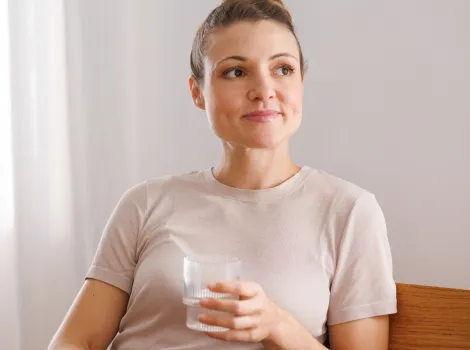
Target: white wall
<point>385,107</point>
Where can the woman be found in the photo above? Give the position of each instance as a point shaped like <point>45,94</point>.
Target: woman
<point>314,247</point>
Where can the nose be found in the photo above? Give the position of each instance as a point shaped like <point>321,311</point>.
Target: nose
<point>262,89</point>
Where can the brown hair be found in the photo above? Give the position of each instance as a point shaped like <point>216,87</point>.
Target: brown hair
<point>233,11</point>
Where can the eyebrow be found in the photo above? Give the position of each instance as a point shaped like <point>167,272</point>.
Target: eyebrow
<point>242,58</point>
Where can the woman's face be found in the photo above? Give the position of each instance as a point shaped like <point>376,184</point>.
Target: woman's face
<point>253,86</point>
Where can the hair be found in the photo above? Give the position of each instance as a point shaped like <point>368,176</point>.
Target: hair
<point>233,11</point>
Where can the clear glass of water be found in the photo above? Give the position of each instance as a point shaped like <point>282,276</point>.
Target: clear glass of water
<point>199,270</point>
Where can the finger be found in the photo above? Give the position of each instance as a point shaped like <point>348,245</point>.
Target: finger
<point>251,335</point>
<point>228,321</point>
<point>235,307</point>
<point>246,289</point>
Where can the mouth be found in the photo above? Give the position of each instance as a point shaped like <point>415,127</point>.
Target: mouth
<point>261,116</point>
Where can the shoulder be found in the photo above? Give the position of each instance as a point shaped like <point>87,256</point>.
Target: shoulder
<point>341,198</point>
<point>162,192</point>
<point>166,189</point>
<point>174,183</point>
<point>335,188</point>
<point>156,187</point>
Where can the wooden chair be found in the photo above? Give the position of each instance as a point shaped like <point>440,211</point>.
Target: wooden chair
<point>430,318</point>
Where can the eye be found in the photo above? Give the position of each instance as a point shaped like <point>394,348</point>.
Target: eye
<point>234,73</point>
<point>285,70</point>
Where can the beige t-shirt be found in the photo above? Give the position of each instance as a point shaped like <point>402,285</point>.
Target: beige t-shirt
<point>316,244</point>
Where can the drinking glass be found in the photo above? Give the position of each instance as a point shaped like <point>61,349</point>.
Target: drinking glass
<point>199,270</point>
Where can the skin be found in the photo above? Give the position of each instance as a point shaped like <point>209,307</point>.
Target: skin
<point>256,155</point>
<point>93,319</point>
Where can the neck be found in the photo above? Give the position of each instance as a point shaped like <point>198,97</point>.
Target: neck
<point>254,169</point>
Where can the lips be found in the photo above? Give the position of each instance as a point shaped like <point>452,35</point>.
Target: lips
<point>264,115</point>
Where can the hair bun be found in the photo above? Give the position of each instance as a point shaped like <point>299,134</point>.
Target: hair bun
<point>278,2</point>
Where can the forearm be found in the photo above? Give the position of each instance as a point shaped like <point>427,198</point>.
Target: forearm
<point>292,335</point>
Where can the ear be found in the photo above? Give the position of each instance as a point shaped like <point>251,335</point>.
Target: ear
<point>196,93</point>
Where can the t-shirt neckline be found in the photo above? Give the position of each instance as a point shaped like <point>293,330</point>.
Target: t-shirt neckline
<point>262,195</point>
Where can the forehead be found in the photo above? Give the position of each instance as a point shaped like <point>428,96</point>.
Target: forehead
<point>255,40</point>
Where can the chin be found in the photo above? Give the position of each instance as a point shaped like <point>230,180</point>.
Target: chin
<point>268,140</point>
<point>259,139</point>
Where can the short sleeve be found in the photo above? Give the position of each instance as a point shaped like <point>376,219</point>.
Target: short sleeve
<point>116,255</point>
<point>363,284</point>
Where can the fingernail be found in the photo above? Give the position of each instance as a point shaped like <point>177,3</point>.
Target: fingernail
<point>201,317</point>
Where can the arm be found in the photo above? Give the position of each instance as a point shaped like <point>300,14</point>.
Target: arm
<point>93,319</point>
<point>365,334</point>
<point>292,335</point>
<point>369,333</point>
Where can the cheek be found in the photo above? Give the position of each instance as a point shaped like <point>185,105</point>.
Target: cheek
<point>225,101</point>
<point>294,99</point>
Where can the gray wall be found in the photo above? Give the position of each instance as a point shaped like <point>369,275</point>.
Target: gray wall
<point>386,107</point>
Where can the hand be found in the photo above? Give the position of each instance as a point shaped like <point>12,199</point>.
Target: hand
<point>254,317</point>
